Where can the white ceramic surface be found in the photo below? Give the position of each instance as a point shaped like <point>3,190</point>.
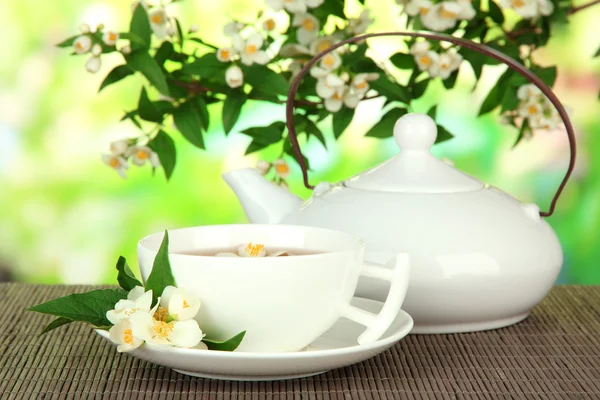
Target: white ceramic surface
<point>480,259</point>
<point>335,349</point>
<point>283,303</point>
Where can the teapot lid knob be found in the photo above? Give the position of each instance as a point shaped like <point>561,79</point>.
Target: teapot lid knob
<point>416,132</point>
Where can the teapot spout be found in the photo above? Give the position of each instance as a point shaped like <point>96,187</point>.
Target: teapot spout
<point>263,201</point>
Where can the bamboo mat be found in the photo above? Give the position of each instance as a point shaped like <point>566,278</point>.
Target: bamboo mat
<point>553,354</point>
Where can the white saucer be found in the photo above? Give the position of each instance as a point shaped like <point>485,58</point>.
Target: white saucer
<point>335,349</point>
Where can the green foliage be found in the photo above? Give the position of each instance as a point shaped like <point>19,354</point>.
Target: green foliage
<point>268,80</point>
<point>225,345</point>
<point>341,120</point>
<point>57,323</point>
<point>188,122</point>
<point>303,124</point>
<point>495,12</point>
<point>125,276</point>
<point>164,147</point>
<point>119,72</point>
<point>192,77</point>
<point>142,62</point>
<point>90,307</point>
<point>147,110</point>
<point>385,127</point>
<point>403,61</point>
<point>140,26</point>
<point>207,67</point>
<point>391,90</point>
<point>263,136</point>
<point>232,107</point>
<point>161,275</point>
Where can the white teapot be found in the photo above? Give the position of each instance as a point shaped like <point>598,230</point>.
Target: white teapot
<point>480,258</point>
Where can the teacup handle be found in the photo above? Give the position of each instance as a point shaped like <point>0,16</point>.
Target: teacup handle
<point>377,324</point>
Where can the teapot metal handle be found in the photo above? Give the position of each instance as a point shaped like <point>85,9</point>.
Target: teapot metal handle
<point>478,47</point>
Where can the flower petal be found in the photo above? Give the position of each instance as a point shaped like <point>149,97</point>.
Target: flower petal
<point>293,49</point>
<point>186,334</point>
<point>323,90</point>
<point>333,105</point>
<point>136,293</point>
<point>255,39</point>
<point>144,302</point>
<point>261,57</point>
<point>238,42</point>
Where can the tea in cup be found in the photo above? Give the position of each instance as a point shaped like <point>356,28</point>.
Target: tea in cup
<point>283,301</point>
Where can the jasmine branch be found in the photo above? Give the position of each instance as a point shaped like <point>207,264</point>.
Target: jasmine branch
<point>196,88</point>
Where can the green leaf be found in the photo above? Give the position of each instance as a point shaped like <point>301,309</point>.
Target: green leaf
<point>268,80</point>
<point>163,145</point>
<point>476,60</point>
<point>132,37</point>
<point>188,122</point>
<point>57,323</point>
<point>232,107</point>
<point>161,275</point>
<point>140,26</point>
<point>119,72</point>
<point>225,345</point>
<point>341,120</point>
<point>125,277</point>
<point>208,67</point>
<point>258,94</point>
<point>403,61</point>
<point>548,75</point>
<point>179,30</point>
<point>492,100</point>
<point>141,61</point>
<point>203,112</point>
<point>389,89</point>
<point>305,124</point>
<point>90,307</point>
<point>432,112</point>
<point>352,57</point>
<point>495,12</point>
<point>522,132</point>
<point>164,52</point>
<point>597,53</point>
<point>329,7</point>
<point>475,29</point>
<point>420,87</point>
<point>131,115</point>
<point>385,127</point>
<point>263,136</point>
<point>68,42</point>
<point>510,101</point>
<point>443,134</point>
<point>451,80</point>
<point>147,110</point>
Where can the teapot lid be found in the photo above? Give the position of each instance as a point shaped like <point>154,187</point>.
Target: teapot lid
<point>414,169</point>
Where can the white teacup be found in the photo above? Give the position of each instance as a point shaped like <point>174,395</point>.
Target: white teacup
<point>283,303</point>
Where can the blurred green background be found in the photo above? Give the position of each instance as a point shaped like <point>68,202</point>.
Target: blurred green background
<point>65,217</point>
